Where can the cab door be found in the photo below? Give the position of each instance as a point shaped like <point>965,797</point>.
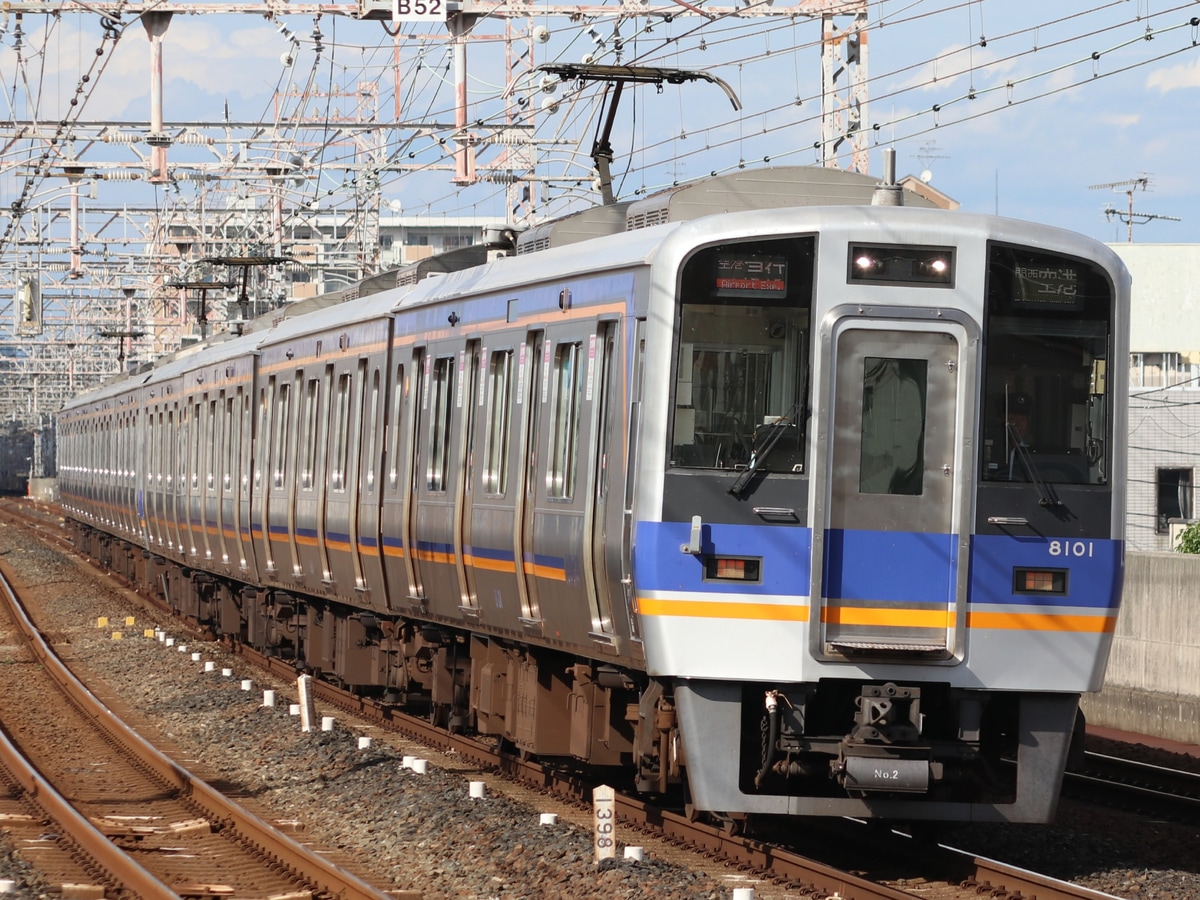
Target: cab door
<point>892,554</point>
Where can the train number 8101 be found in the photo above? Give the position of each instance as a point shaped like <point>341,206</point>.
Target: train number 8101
<point>1072,548</point>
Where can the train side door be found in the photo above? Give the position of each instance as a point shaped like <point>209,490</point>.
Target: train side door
<point>468,414</point>
<point>171,466</point>
<point>500,477</point>
<point>187,443</point>
<point>892,583</point>
<point>604,565</point>
<point>531,366</point>
<point>334,520</point>
<point>279,527</point>
<point>205,490</point>
<point>571,494</point>
<point>263,477</point>
<point>367,476</point>
<point>439,438</point>
<point>395,491</point>
<point>318,463</point>
<point>418,402</point>
<point>245,465</point>
<point>218,475</point>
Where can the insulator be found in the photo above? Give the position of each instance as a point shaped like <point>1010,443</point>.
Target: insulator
<point>511,136</point>
<point>190,137</point>
<point>121,175</point>
<point>122,137</point>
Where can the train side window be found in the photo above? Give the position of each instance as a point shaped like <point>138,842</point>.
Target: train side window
<point>439,423</point>
<point>282,435</point>
<point>216,427</point>
<point>171,462</point>
<point>341,426</point>
<point>198,428</point>
<point>399,388</point>
<point>892,455</point>
<point>495,470</point>
<point>564,434</point>
<point>308,433</point>
<point>367,439</point>
<point>266,403</point>
<point>742,357</point>
<point>1045,414</point>
<point>233,436</point>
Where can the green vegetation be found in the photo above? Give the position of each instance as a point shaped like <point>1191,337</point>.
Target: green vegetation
<point>1189,539</point>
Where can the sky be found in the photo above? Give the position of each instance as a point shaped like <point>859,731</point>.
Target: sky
<point>1011,106</point>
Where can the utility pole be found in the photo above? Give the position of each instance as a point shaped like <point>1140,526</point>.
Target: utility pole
<point>1129,216</point>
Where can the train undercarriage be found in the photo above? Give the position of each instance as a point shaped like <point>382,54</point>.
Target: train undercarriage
<point>809,744</point>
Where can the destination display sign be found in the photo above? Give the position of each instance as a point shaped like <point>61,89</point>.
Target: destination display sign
<point>750,276</point>
<point>1054,284</point>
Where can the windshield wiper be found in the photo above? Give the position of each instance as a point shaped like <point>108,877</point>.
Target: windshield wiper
<point>778,429</point>
<point>1046,494</point>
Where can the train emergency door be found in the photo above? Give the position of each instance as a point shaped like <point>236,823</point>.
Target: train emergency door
<point>570,515</point>
<point>895,466</point>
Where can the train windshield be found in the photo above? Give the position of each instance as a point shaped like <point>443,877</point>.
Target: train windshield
<point>1046,388</point>
<point>742,359</point>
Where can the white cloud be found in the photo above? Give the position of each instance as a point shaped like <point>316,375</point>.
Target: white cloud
<point>1184,75</point>
<point>1119,120</point>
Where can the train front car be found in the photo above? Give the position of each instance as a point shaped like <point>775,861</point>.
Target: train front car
<point>886,555</point>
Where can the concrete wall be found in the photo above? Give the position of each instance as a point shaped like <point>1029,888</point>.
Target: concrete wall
<point>1153,681</point>
<point>1166,296</point>
<point>44,490</point>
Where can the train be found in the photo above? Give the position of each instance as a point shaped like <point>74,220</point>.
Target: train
<point>778,493</point>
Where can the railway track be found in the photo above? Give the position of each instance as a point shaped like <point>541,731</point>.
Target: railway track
<point>945,872</point>
<point>124,819</point>
<point>862,862</point>
<point>1150,790</point>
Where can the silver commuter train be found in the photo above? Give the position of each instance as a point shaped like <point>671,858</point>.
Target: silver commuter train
<point>816,508</point>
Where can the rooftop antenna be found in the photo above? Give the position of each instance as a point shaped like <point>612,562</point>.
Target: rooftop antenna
<point>1130,217</point>
<point>925,154</point>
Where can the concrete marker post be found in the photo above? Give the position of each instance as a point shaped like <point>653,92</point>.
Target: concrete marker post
<point>604,822</point>
<point>308,703</point>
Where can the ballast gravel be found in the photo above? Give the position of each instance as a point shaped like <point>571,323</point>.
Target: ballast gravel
<point>424,833</point>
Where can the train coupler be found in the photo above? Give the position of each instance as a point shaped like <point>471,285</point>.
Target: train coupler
<point>861,770</point>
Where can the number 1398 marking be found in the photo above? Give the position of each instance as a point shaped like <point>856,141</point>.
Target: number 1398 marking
<point>1072,548</point>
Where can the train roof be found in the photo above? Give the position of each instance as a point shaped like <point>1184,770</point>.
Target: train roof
<point>216,349</point>
<point>741,190</point>
<point>687,212</point>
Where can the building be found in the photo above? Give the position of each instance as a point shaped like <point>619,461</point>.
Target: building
<point>1164,390</point>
